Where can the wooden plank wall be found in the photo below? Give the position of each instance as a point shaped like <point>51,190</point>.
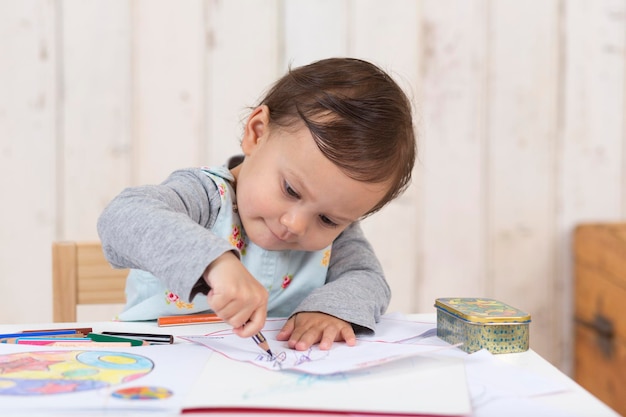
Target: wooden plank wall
<point>519,108</point>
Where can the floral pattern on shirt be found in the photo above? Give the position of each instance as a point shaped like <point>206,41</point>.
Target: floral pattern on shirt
<point>171,297</point>
<point>237,239</point>
<point>286,281</point>
<point>326,257</point>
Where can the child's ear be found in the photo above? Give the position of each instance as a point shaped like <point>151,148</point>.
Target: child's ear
<point>257,127</point>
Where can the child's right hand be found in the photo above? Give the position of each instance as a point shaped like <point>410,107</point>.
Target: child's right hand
<point>236,296</point>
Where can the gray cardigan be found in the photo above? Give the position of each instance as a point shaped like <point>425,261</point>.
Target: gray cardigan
<point>165,230</point>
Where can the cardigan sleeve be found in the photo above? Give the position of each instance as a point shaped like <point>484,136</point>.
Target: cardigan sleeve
<point>164,229</point>
<point>356,290</point>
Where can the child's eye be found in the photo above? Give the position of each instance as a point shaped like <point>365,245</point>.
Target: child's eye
<point>327,222</point>
<point>290,191</point>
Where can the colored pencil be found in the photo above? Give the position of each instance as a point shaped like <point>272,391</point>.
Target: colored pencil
<point>188,319</point>
<point>45,339</point>
<point>97,337</point>
<point>59,338</point>
<point>50,342</point>
<point>48,333</point>
<point>260,340</point>
<point>152,338</point>
<point>82,330</point>
<point>91,343</point>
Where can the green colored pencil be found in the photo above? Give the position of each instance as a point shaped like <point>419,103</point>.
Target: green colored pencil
<point>97,337</point>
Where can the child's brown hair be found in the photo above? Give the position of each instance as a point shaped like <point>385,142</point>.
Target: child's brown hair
<point>358,116</point>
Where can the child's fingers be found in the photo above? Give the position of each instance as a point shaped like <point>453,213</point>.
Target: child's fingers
<point>348,336</point>
<point>216,301</point>
<point>317,328</point>
<point>253,325</point>
<point>305,340</point>
<point>328,337</point>
<point>337,334</point>
<point>287,330</point>
<point>238,316</point>
<point>227,309</point>
<point>239,305</point>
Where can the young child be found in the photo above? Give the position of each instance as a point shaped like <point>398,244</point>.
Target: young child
<point>276,231</point>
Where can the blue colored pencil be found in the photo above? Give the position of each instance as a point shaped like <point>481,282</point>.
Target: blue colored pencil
<point>41,333</point>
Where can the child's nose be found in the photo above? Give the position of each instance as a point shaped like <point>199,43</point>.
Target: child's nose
<point>295,222</point>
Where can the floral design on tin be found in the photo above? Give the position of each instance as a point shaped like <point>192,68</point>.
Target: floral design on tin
<point>484,307</point>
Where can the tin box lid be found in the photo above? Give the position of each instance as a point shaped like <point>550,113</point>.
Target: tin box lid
<point>482,310</point>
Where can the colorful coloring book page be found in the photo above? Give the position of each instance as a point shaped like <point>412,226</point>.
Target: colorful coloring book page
<point>147,378</point>
<point>369,351</point>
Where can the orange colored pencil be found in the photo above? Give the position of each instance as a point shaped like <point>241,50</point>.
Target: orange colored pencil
<point>188,319</point>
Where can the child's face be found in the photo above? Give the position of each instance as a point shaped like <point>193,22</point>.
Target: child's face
<point>291,197</point>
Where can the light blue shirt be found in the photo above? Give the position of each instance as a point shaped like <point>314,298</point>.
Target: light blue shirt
<point>288,276</point>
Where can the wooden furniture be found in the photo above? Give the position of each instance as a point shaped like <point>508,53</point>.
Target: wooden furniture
<point>600,311</point>
<point>81,275</point>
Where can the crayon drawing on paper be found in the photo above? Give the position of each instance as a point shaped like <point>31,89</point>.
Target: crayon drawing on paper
<point>386,346</point>
<point>58,372</point>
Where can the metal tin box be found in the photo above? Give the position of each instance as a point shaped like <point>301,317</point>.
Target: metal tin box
<point>482,323</point>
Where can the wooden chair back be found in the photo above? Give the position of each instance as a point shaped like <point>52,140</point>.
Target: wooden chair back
<point>82,275</point>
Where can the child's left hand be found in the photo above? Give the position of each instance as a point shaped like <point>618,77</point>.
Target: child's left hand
<point>305,329</point>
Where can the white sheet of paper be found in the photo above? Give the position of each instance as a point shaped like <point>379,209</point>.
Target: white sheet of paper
<point>493,383</point>
<point>394,327</point>
<point>340,358</point>
<point>420,385</point>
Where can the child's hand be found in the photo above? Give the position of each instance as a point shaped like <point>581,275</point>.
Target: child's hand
<point>236,296</point>
<point>305,329</point>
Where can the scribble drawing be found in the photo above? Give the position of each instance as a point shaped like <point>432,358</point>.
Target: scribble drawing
<point>57,372</point>
<point>279,359</point>
<point>302,358</point>
<point>313,354</point>
<point>266,357</point>
<point>276,360</point>
<point>294,358</point>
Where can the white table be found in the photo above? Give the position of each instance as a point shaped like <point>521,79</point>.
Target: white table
<point>576,401</point>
